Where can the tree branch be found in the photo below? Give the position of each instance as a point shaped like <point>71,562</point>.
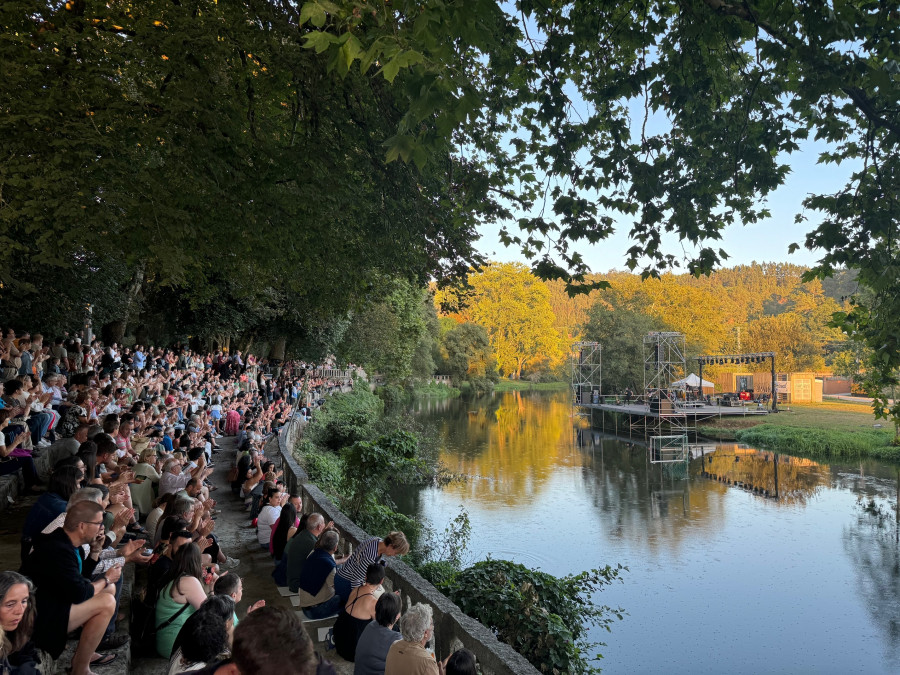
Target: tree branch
<point>863,103</point>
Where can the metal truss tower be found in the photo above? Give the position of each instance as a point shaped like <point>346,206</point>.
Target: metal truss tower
<point>664,360</point>
<point>586,371</point>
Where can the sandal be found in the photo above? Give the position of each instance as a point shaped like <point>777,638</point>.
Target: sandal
<point>104,660</point>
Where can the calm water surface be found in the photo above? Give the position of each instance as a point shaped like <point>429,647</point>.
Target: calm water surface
<point>720,580</point>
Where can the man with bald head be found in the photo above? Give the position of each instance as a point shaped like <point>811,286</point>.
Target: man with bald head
<point>66,599</point>
<point>300,546</point>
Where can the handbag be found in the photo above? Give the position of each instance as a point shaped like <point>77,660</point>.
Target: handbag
<point>145,619</point>
<point>232,474</point>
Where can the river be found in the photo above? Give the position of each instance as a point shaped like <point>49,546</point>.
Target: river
<point>720,579</point>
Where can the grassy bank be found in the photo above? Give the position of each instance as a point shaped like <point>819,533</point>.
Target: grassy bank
<point>828,429</point>
<point>525,385</point>
<point>435,390</point>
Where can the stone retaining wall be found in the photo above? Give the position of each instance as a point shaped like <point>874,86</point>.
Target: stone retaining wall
<point>452,627</point>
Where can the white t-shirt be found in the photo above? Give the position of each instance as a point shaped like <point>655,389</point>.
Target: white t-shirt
<point>267,517</point>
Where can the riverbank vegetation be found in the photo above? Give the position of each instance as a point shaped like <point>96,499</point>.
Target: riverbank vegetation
<point>828,429</point>
<point>358,452</point>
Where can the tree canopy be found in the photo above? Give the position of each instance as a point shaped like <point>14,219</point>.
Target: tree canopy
<point>675,116</point>
<point>264,135</point>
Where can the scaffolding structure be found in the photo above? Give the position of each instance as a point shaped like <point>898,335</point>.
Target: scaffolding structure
<point>669,449</point>
<point>664,361</point>
<point>587,361</point>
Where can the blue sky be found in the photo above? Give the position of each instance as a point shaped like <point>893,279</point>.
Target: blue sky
<point>764,241</point>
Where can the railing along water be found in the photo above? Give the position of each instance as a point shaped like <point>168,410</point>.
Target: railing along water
<point>453,628</point>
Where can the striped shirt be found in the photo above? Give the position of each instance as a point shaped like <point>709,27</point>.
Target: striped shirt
<point>354,570</point>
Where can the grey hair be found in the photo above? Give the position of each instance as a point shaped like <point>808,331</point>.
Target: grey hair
<point>85,494</point>
<point>416,622</point>
<point>328,541</point>
<point>314,520</point>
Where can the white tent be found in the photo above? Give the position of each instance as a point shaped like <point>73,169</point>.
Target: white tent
<point>690,381</point>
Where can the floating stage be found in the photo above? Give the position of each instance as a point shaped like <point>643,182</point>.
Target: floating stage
<point>667,417</point>
<point>678,413</point>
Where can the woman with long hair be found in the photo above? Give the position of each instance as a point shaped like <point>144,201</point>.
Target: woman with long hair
<point>182,594</point>
<point>63,482</point>
<point>87,451</point>
<point>284,529</point>
<point>17,623</point>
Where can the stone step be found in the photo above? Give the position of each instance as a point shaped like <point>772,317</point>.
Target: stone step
<point>11,486</point>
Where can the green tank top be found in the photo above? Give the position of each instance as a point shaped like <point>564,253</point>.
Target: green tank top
<point>166,608</point>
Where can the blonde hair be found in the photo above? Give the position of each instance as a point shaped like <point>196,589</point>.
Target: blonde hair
<point>397,541</point>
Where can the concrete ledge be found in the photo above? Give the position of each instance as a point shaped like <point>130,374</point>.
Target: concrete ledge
<point>453,628</point>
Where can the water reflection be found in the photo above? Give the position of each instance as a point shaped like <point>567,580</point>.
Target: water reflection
<point>872,542</point>
<point>506,446</point>
<point>759,552</point>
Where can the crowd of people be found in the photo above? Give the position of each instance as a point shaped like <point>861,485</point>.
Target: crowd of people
<point>120,444</point>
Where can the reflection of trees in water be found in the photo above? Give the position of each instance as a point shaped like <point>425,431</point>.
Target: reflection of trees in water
<point>798,478</point>
<point>508,445</point>
<point>871,542</point>
<point>641,502</point>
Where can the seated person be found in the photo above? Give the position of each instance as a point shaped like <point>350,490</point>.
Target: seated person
<point>63,483</point>
<point>409,656</point>
<point>356,614</point>
<point>160,568</point>
<point>182,594</point>
<point>232,586</point>
<point>62,448</point>
<point>65,598</point>
<point>271,640</point>
<point>268,515</point>
<point>205,637</point>
<point>377,638</point>
<point>13,456</point>
<point>300,546</point>
<point>460,662</point>
<point>315,587</point>
<point>17,651</point>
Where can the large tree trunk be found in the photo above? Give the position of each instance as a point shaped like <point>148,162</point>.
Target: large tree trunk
<point>277,349</point>
<point>115,330</point>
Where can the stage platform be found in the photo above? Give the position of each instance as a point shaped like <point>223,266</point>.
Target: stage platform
<point>690,412</point>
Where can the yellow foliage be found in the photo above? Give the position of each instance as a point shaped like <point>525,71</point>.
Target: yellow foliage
<point>514,307</point>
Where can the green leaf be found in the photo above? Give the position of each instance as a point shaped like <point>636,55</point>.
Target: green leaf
<point>350,50</point>
<point>319,41</point>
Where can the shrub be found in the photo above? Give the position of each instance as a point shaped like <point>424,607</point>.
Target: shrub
<point>544,618</point>
<point>393,396</point>
<point>346,419</point>
<point>326,470</point>
<point>374,466</point>
<point>439,572</point>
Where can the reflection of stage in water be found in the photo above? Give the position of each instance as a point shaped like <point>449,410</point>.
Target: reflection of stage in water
<point>767,474</point>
